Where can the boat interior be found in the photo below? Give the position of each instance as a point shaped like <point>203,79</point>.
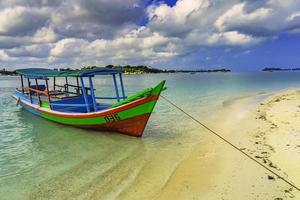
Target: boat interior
<point>66,96</point>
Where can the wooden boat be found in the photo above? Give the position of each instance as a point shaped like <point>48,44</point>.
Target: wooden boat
<point>76,104</point>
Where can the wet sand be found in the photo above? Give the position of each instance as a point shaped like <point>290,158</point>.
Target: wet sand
<point>266,126</point>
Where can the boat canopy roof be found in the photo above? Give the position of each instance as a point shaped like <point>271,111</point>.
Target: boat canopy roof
<point>44,73</point>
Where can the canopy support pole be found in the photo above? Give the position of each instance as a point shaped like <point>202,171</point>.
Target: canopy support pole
<point>54,84</point>
<point>48,95</point>
<point>78,88</point>
<point>67,86</point>
<point>122,86</point>
<point>93,93</point>
<point>22,84</point>
<point>38,94</point>
<point>84,95</point>
<point>116,87</point>
<point>29,90</point>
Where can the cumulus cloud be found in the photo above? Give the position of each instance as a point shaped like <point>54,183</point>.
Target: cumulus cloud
<point>37,51</point>
<point>87,32</point>
<point>68,47</point>
<point>96,18</point>
<point>44,35</point>
<point>238,19</point>
<point>29,3</point>
<point>21,20</point>
<point>270,18</point>
<point>232,38</point>
<point>138,46</point>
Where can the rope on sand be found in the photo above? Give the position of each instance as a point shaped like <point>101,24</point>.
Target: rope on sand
<point>231,144</point>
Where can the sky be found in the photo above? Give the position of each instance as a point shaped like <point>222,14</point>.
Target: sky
<point>242,35</point>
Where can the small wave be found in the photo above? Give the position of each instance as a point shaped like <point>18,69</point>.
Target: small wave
<point>231,101</point>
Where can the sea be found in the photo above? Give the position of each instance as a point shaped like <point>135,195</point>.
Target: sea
<point>40,159</point>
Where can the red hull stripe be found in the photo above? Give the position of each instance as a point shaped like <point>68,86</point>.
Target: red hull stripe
<point>95,114</point>
<point>132,126</point>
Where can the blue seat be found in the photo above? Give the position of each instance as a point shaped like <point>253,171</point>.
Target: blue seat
<point>38,87</point>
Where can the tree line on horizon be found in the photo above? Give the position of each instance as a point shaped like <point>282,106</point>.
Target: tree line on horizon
<point>271,69</point>
<point>130,69</point>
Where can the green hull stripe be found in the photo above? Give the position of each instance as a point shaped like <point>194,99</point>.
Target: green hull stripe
<point>123,115</point>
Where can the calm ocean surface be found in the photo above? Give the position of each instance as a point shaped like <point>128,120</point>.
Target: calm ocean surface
<point>44,160</point>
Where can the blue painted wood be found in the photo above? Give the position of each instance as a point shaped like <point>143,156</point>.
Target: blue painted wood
<point>37,77</point>
<point>67,104</point>
<point>84,94</point>
<point>25,97</point>
<point>122,86</point>
<point>36,112</point>
<point>42,72</point>
<point>116,87</point>
<point>110,97</point>
<point>93,93</point>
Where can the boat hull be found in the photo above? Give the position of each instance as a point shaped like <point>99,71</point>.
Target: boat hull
<point>130,118</point>
<point>133,126</point>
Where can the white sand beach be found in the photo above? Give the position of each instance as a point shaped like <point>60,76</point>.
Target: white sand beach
<point>266,126</point>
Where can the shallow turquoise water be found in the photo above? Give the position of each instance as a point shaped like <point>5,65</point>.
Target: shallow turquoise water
<point>44,160</point>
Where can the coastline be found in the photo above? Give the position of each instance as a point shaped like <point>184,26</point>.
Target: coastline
<point>264,126</point>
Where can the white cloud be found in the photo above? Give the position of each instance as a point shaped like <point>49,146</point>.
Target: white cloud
<point>37,51</point>
<point>21,20</point>
<point>96,19</point>
<point>45,35</point>
<point>68,47</point>
<point>237,17</point>
<point>178,20</point>
<point>232,38</point>
<point>3,55</point>
<point>293,16</point>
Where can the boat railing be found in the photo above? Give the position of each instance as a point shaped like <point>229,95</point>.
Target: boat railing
<point>111,97</point>
<point>69,90</point>
<point>71,85</point>
<point>69,104</point>
<point>39,93</point>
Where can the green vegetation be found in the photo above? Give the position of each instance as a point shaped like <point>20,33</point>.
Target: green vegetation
<point>7,73</point>
<point>128,69</point>
<point>141,69</point>
<point>271,69</point>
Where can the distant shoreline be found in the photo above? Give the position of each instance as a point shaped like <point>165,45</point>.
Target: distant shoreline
<point>274,69</point>
<point>131,70</point>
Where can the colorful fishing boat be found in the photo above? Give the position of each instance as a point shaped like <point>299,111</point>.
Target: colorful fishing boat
<point>68,97</point>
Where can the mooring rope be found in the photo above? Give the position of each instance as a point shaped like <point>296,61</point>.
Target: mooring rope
<point>231,144</point>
